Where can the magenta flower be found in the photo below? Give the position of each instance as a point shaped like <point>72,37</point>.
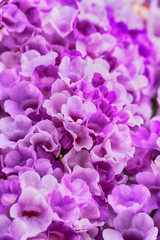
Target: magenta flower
<point>32,209</point>
<point>32,59</point>
<point>13,19</point>
<point>16,160</point>
<point>129,226</point>
<point>137,226</point>
<point>61,19</point>
<point>132,198</point>
<point>115,148</point>
<point>70,113</point>
<point>79,119</point>
<point>9,193</point>
<point>5,224</point>
<point>81,137</point>
<point>27,102</point>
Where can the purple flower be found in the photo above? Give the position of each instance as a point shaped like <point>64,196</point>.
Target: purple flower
<point>109,234</point>
<point>90,176</point>
<point>43,167</point>
<point>60,230</point>
<point>81,137</point>
<point>65,201</point>
<point>115,148</point>
<point>54,104</point>
<point>70,113</point>
<point>64,208</point>
<point>79,190</point>
<point>9,193</point>
<point>84,28</point>
<point>79,119</point>
<point>72,200</point>
<point>13,19</point>
<point>13,130</point>
<point>106,175</point>
<point>44,138</point>
<point>140,161</point>
<point>18,39</point>
<point>32,59</point>
<point>153,23</point>
<point>155,165</point>
<point>25,98</point>
<point>72,70</point>
<point>139,226</point>
<point>133,198</point>
<point>32,179</point>
<point>61,19</point>
<point>33,211</point>
<point>95,44</point>
<point>152,182</point>
<point>33,16</point>
<point>98,123</point>
<point>60,93</point>
<point>149,139</point>
<point>65,139</point>
<point>10,60</point>
<point>45,76</point>
<point>18,159</point>
<point>7,82</point>
<point>73,158</point>
<point>5,224</point>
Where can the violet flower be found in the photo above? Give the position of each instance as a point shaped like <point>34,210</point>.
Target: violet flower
<point>79,119</point>
<point>33,210</point>
<point>132,198</point>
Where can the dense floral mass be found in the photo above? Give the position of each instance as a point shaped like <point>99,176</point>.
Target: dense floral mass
<point>80,119</point>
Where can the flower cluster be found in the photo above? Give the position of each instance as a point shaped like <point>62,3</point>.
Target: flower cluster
<point>79,119</point>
